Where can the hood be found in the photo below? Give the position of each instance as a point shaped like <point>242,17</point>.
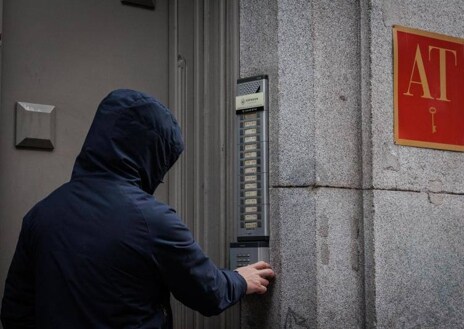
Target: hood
<point>133,137</point>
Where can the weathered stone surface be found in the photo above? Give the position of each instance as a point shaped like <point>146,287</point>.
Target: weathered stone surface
<point>275,40</point>
<point>340,124</point>
<point>316,250</point>
<point>337,93</point>
<point>340,293</point>
<point>295,163</point>
<point>314,85</point>
<point>419,260</point>
<point>292,297</point>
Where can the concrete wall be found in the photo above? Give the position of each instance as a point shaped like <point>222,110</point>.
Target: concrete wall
<point>365,233</point>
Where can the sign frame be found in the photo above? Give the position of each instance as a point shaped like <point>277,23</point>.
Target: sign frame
<point>409,141</point>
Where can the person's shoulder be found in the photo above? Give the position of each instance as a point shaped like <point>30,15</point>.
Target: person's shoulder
<point>153,209</point>
<point>44,205</point>
<point>161,219</point>
<point>57,193</point>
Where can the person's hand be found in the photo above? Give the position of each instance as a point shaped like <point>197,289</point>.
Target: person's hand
<point>257,277</point>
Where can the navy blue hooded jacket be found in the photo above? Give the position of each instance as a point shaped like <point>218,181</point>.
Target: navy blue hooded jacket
<point>100,251</point>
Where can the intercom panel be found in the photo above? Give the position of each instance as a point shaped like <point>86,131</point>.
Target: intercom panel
<point>252,116</point>
<point>249,252</point>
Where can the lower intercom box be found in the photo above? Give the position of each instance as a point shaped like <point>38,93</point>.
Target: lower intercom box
<point>249,252</point>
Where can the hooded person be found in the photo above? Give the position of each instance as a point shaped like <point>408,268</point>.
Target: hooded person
<point>100,251</point>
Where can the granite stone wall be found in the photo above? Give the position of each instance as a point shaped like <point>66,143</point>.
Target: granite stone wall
<point>417,220</point>
<point>365,233</point>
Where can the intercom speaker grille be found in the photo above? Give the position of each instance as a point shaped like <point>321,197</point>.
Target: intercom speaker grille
<point>250,87</point>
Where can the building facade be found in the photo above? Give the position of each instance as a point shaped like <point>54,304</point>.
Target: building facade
<point>364,233</point>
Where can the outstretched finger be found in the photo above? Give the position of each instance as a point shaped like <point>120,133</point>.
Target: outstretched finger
<point>261,290</point>
<point>266,273</point>
<point>264,282</point>
<point>261,265</point>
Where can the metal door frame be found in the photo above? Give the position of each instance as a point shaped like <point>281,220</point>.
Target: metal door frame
<point>203,82</point>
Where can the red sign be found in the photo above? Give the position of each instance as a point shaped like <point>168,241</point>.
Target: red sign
<point>429,89</point>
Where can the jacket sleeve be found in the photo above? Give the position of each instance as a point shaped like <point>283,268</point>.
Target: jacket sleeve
<point>189,274</point>
<point>18,306</point>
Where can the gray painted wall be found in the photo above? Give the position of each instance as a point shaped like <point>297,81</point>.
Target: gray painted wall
<point>365,233</point>
<point>70,56</point>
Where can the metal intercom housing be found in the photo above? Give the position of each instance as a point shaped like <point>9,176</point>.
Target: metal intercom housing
<point>245,253</point>
<point>252,173</point>
<point>252,117</point>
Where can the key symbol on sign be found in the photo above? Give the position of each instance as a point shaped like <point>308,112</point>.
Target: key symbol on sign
<point>432,111</point>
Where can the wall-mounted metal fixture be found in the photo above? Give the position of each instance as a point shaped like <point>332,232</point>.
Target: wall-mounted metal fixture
<point>252,173</point>
<point>147,4</point>
<point>35,126</point>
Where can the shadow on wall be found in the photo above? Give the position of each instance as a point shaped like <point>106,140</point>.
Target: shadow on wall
<point>294,321</point>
